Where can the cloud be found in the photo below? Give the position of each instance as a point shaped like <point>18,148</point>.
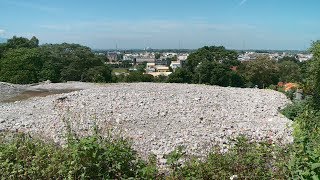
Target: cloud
<point>2,31</point>
<point>242,2</point>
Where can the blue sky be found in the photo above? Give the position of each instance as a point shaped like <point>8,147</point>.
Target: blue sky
<point>103,24</point>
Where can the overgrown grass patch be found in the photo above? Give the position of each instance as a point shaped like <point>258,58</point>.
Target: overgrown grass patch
<point>95,157</point>
<point>295,109</point>
<point>245,160</point>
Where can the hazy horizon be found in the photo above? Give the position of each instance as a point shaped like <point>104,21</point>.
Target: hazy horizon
<point>125,24</point>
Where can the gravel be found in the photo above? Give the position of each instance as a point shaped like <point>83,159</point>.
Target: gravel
<point>9,90</point>
<point>157,117</point>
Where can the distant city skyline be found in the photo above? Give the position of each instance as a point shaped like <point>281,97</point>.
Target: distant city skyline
<point>175,24</point>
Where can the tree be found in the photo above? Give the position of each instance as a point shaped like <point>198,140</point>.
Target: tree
<point>289,71</point>
<point>21,42</point>
<point>157,56</point>
<point>125,64</point>
<point>73,62</point>
<point>142,67</point>
<point>212,73</point>
<point>288,58</point>
<point>261,72</point>
<point>235,79</point>
<point>212,53</point>
<point>2,49</point>
<point>24,61</point>
<point>181,75</point>
<point>314,71</point>
<point>209,65</point>
<point>34,42</point>
<point>136,76</point>
<point>21,66</point>
<point>98,74</point>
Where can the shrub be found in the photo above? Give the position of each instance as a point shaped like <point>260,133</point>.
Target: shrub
<point>95,157</point>
<point>245,160</point>
<point>293,110</point>
<point>305,156</point>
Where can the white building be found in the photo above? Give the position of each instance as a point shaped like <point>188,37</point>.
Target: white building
<point>175,64</point>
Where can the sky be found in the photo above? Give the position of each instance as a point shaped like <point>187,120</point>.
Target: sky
<point>169,24</point>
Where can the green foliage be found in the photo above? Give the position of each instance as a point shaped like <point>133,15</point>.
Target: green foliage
<point>209,65</point>
<point>21,42</point>
<point>314,72</point>
<point>73,62</point>
<point>246,160</point>
<point>95,157</point>
<point>235,79</point>
<point>215,73</point>
<point>157,56</point>
<point>181,75</point>
<point>161,78</point>
<point>23,61</point>
<point>289,72</point>
<point>98,74</point>
<point>289,59</point>
<point>262,72</point>
<point>141,67</point>
<point>212,54</point>
<point>305,156</point>
<point>174,160</point>
<point>212,73</point>
<point>21,66</point>
<point>135,76</point>
<point>295,109</point>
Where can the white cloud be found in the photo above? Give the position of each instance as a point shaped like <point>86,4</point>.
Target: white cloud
<point>2,32</point>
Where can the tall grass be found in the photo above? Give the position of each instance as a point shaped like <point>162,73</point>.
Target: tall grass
<point>97,157</point>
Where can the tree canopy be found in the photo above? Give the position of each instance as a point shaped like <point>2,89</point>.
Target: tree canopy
<point>24,61</point>
<point>212,54</point>
<point>210,65</point>
<point>314,71</point>
<point>261,72</point>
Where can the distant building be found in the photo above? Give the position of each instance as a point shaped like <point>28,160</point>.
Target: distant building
<point>157,70</point>
<point>112,56</point>
<point>144,59</point>
<point>128,57</point>
<point>175,64</point>
<point>162,62</point>
<point>150,67</point>
<point>162,69</point>
<point>155,74</point>
<point>304,57</point>
<point>183,57</point>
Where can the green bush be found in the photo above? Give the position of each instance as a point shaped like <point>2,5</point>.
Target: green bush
<point>293,110</point>
<point>95,157</point>
<point>245,160</point>
<point>305,156</point>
